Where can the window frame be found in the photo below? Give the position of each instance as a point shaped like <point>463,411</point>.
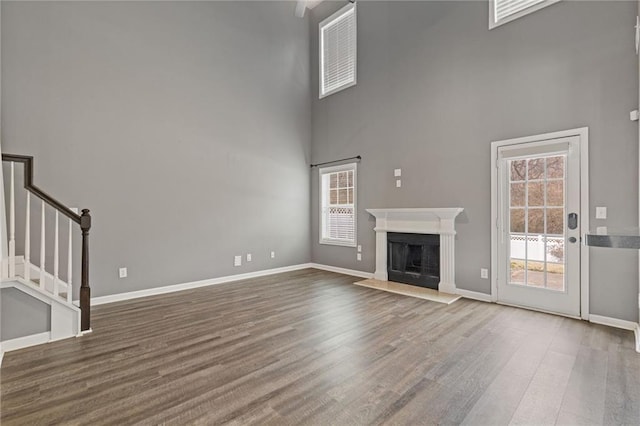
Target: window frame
<point>321,26</point>
<point>492,12</point>
<point>322,219</point>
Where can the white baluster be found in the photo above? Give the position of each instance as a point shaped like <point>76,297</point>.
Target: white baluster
<point>27,240</point>
<point>69,263</point>
<point>42,243</point>
<point>56,258</point>
<point>12,224</point>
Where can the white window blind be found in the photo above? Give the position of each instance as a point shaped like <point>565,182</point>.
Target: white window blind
<point>338,51</point>
<point>338,205</point>
<point>503,11</point>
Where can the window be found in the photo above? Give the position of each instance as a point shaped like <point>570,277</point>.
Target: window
<point>338,205</point>
<point>503,11</point>
<point>338,51</point>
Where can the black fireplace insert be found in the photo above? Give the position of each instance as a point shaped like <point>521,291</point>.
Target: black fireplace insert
<point>414,259</point>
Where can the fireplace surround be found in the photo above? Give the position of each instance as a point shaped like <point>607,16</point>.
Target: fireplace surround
<point>436,221</point>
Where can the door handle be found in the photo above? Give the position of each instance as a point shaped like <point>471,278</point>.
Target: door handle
<point>572,239</point>
<point>572,221</point>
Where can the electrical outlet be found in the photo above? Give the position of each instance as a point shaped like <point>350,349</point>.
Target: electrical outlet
<point>359,256</point>
<point>237,261</point>
<point>248,257</point>
<point>398,183</point>
<point>601,212</point>
<point>359,248</point>
<point>397,172</point>
<point>484,273</point>
<point>122,272</point>
<point>273,254</point>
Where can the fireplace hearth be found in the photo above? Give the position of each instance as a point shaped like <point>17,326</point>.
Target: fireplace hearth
<point>414,259</point>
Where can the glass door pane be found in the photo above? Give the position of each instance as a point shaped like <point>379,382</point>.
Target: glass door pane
<point>537,222</point>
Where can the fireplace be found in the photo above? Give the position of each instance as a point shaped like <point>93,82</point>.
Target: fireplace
<point>423,223</point>
<point>414,259</point>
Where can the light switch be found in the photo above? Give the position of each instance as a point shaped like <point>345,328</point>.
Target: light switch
<point>398,183</point>
<point>601,212</point>
<point>397,172</point>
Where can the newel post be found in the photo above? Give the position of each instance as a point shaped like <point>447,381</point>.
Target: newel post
<point>85,290</point>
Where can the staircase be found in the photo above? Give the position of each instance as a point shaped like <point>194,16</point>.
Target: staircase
<point>18,270</point>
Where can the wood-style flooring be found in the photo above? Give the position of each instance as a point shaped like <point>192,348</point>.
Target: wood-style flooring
<point>308,347</point>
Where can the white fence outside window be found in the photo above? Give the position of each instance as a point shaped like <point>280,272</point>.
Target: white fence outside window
<point>532,247</point>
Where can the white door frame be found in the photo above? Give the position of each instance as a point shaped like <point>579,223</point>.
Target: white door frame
<point>637,330</point>
<point>583,136</point>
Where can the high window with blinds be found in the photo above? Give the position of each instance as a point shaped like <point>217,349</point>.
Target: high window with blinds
<point>338,51</point>
<point>338,205</point>
<point>503,11</point>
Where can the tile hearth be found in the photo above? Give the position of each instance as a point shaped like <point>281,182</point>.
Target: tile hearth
<point>410,290</point>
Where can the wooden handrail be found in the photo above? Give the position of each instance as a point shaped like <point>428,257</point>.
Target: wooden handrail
<point>27,161</point>
<point>84,220</point>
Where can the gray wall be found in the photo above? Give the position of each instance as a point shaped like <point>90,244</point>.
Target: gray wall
<point>184,127</point>
<point>22,315</point>
<point>435,87</point>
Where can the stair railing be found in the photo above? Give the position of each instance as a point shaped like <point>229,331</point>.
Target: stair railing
<point>83,220</point>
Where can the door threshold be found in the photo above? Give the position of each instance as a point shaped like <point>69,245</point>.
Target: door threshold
<point>529,308</point>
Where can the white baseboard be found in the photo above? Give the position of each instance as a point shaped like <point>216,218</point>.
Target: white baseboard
<point>475,295</point>
<point>119,297</point>
<point>613,322</point>
<point>344,271</point>
<point>618,323</point>
<point>101,300</point>
<point>26,341</point>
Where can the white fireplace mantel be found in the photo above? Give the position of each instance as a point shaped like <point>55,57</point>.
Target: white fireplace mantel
<point>419,221</point>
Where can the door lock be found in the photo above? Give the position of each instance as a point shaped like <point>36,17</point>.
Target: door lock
<point>572,240</point>
<point>572,221</point>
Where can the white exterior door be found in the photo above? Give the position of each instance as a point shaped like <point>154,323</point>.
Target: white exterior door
<point>539,225</point>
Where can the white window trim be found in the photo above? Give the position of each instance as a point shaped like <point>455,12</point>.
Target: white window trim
<point>492,12</point>
<point>324,23</point>
<point>333,169</point>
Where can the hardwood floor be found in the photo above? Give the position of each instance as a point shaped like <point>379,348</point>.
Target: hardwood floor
<point>308,347</point>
